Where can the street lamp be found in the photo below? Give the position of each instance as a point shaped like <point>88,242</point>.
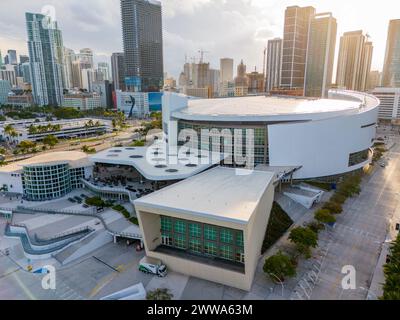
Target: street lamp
<point>279,280</point>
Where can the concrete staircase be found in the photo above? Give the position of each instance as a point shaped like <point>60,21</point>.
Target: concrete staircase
<point>86,246</point>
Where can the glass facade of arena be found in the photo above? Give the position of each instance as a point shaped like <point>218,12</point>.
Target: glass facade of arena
<point>358,157</point>
<point>221,137</point>
<point>203,239</point>
<point>50,181</point>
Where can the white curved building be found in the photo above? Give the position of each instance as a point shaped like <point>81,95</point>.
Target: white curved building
<point>326,137</point>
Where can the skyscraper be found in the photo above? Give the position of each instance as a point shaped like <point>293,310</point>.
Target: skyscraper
<point>366,62</point>
<point>69,58</point>
<point>274,63</point>
<point>295,40</point>
<point>23,58</point>
<point>143,44</point>
<point>241,79</point>
<point>1,60</point>
<point>118,70</point>
<point>391,68</point>
<point>45,47</point>
<point>226,68</point>
<point>320,55</point>
<point>104,69</point>
<point>354,63</point>
<point>85,57</point>
<point>12,57</point>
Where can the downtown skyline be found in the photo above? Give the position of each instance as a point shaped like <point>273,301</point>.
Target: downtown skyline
<point>252,24</point>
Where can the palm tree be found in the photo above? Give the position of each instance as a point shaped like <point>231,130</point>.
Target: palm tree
<point>8,129</point>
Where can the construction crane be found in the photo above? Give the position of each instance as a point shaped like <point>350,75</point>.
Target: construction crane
<point>202,52</point>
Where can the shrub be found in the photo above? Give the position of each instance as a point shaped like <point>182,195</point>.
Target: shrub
<point>391,288</point>
<point>324,216</point>
<point>338,198</point>
<point>279,266</point>
<point>95,201</point>
<point>316,226</point>
<point>122,210</point>
<point>159,294</point>
<point>333,207</point>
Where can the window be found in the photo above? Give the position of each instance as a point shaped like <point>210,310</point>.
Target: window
<point>180,241</point>
<point>180,226</point>
<point>210,233</point>
<point>195,245</point>
<point>166,224</point>
<point>358,157</point>
<point>195,230</point>
<point>210,248</point>
<point>226,252</point>
<point>239,239</point>
<point>226,236</point>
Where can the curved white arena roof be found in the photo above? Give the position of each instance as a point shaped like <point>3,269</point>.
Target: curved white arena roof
<point>160,162</point>
<point>276,108</point>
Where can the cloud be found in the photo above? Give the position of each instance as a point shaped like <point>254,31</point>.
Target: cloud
<point>226,28</point>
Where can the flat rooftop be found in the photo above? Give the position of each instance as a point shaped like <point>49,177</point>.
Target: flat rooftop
<point>270,108</point>
<point>74,158</point>
<point>158,162</point>
<point>221,193</point>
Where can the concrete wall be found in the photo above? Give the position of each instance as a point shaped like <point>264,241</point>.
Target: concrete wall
<point>256,233</point>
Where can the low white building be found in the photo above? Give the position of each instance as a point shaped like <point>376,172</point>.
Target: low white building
<point>62,129</point>
<point>135,104</point>
<point>389,108</point>
<point>82,101</point>
<point>46,176</point>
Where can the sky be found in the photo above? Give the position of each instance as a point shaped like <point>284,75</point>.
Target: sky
<point>238,29</point>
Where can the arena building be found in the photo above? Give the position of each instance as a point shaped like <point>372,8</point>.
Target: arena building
<point>325,137</point>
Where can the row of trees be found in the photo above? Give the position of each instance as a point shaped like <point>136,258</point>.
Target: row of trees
<point>391,288</point>
<point>44,129</point>
<point>27,146</point>
<point>283,265</point>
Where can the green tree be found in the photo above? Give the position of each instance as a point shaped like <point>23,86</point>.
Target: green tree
<point>50,140</point>
<point>159,294</point>
<point>333,207</point>
<point>279,266</point>
<point>324,216</point>
<point>304,238</point>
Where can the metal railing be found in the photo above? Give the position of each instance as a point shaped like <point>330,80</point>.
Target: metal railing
<point>97,188</point>
<point>66,234</point>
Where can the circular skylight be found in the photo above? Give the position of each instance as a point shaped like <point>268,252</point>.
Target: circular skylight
<point>191,165</point>
<point>160,166</point>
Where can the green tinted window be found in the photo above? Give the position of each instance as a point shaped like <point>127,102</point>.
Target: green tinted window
<point>226,236</point>
<point>180,226</point>
<point>210,248</point>
<point>227,252</point>
<point>195,245</point>
<point>194,230</point>
<point>180,241</point>
<point>210,232</point>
